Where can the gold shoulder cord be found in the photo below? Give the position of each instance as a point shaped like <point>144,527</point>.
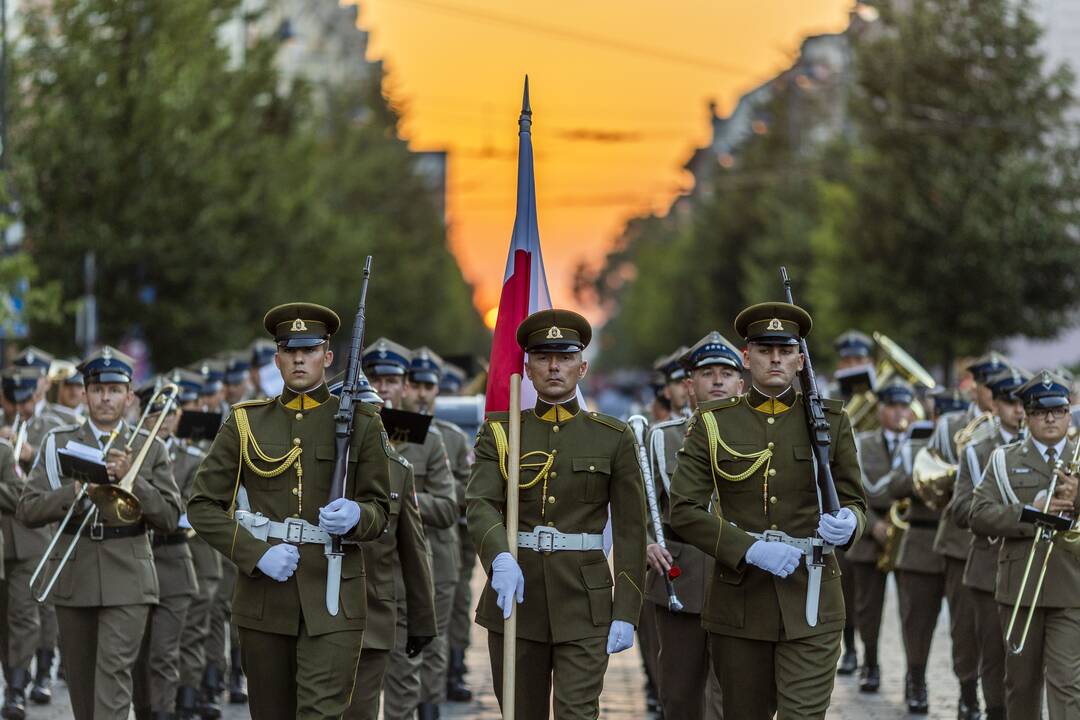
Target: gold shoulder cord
<point>542,467</point>
<point>761,457</point>
<point>248,442</point>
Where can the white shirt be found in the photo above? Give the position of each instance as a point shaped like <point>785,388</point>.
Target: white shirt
<point>98,432</point>
<point>1058,449</point>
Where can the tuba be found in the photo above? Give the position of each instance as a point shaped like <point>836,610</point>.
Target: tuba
<point>933,478</point>
<point>895,361</point>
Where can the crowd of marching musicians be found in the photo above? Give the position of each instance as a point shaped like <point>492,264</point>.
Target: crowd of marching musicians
<point>956,485</point>
<point>141,615</point>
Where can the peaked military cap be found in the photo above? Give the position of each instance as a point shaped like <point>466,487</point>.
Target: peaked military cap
<point>212,372</point>
<point>773,323</point>
<point>190,384</point>
<point>237,365</point>
<point>425,366</point>
<point>300,324</point>
<point>107,365</point>
<point>147,390</point>
<point>853,343</point>
<point>32,357</point>
<point>1045,390</point>
<point>453,378</point>
<point>896,391</point>
<point>713,349</point>
<point>20,383</point>
<point>385,357</point>
<point>990,364</point>
<point>671,366</point>
<point>554,330</point>
<point>948,400</point>
<point>363,385</point>
<point>262,352</point>
<point>1003,385</point>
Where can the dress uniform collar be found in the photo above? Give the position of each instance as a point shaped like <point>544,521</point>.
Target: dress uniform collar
<point>305,401</point>
<point>771,405</point>
<point>557,413</point>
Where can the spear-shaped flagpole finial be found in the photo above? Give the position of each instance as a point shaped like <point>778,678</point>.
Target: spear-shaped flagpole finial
<point>525,121</point>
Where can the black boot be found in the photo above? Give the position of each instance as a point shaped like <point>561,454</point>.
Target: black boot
<point>969,701</point>
<point>869,679</point>
<point>15,695</point>
<point>237,681</point>
<point>915,691</point>
<point>995,713</point>
<point>849,661</point>
<point>186,702</point>
<point>456,689</point>
<point>427,711</point>
<point>162,715</point>
<point>210,707</point>
<point>41,691</point>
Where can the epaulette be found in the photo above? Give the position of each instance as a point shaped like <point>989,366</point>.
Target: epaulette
<point>668,423</point>
<point>401,460</point>
<point>254,402</point>
<point>63,428</point>
<point>865,435</point>
<point>836,407</point>
<point>194,451</point>
<point>612,422</point>
<point>452,427</point>
<point>367,409</point>
<point>719,404</point>
<point>497,417</point>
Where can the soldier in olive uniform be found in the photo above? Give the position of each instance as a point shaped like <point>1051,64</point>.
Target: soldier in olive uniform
<point>104,593</point>
<point>386,364</point>
<point>683,665</point>
<point>299,657</point>
<point>575,464</point>
<point>399,560</point>
<point>237,377</point>
<point>884,455</point>
<point>774,648</point>
<point>1016,475</point>
<point>158,676</point>
<point>421,389</point>
<point>980,571</point>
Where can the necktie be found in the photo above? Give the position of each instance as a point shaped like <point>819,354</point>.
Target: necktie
<point>1050,455</point>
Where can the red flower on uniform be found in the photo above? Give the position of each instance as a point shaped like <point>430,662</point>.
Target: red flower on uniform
<point>674,572</point>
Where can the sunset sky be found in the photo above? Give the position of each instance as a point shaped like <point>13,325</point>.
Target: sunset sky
<point>619,97</point>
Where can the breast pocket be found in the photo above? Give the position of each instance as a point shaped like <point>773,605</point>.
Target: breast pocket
<point>326,455</point>
<point>596,472</point>
<point>281,481</point>
<point>733,466</point>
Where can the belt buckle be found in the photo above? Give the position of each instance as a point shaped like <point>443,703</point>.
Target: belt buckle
<point>772,536</point>
<point>294,531</point>
<point>97,531</point>
<point>545,539</point>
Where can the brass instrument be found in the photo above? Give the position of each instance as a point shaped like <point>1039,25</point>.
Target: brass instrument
<point>18,432</point>
<point>933,478</point>
<point>114,502</point>
<point>61,370</point>
<point>895,361</point>
<point>898,525</point>
<point>1047,528</point>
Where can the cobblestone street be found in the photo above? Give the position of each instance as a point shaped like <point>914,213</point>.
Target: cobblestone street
<point>624,698</point>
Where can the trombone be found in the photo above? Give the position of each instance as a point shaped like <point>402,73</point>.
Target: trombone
<point>116,503</point>
<point>1047,527</point>
<point>18,431</point>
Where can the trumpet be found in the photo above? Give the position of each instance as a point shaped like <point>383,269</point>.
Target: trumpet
<point>117,503</point>
<point>1047,527</point>
<point>638,423</point>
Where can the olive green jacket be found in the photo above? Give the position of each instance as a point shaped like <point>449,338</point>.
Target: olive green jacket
<point>593,463</point>
<point>438,502</point>
<point>21,542</point>
<point>402,549</point>
<point>174,562</point>
<point>780,494</point>
<point>104,573</point>
<point>278,426</point>
<point>916,553</point>
<point>953,540</point>
<point>877,475</point>
<point>1014,475</point>
<point>186,461</point>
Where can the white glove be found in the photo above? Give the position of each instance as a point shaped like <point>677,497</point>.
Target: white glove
<point>183,522</point>
<point>279,562</point>
<point>339,516</point>
<point>837,529</point>
<point>620,637</point>
<point>777,558</point>
<point>507,581</point>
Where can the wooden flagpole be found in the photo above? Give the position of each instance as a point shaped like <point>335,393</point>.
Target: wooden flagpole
<point>513,472</point>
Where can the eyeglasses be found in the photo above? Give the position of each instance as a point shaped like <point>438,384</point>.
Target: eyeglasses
<point>1044,413</point>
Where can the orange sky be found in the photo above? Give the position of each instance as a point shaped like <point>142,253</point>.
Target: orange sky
<point>639,72</point>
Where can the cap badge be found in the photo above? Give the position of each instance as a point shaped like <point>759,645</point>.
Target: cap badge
<point>775,324</point>
<point>1047,382</point>
<point>298,326</point>
<point>554,333</point>
<point>30,357</point>
<point>106,355</point>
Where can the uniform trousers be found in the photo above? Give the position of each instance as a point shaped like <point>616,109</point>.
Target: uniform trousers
<point>688,686</point>
<point>436,656</point>
<point>99,646</point>
<point>299,677</point>
<point>869,585</point>
<point>368,687</point>
<point>462,613</point>
<point>157,673</point>
<point>920,604</point>
<point>221,628</point>
<point>574,669</point>
<point>991,637</point>
<point>965,644</point>
<point>22,633</point>
<point>847,588</point>
<point>648,641</point>
<point>1052,653</point>
<point>401,685</point>
<point>196,633</point>
<point>791,678</point>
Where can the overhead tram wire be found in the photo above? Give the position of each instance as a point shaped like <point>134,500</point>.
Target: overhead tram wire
<point>693,61</point>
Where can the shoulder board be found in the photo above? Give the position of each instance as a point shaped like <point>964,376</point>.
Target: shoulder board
<point>367,409</point>
<point>448,426</point>
<point>669,423</point>
<point>497,417</point>
<point>435,430</point>
<point>832,405</point>
<point>611,422</point>
<point>253,403</point>
<point>194,451</point>
<point>719,404</point>
<point>63,428</point>
<point>865,435</point>
<point>401,460</point>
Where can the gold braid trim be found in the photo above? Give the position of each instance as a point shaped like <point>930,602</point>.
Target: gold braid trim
<point>760,458</point>
<point>248,443</point>
<point>542,467</point>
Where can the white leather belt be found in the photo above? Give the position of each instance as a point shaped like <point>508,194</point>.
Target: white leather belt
<point>804,544</point>
<point>547,539</point>
<point>295,531</point>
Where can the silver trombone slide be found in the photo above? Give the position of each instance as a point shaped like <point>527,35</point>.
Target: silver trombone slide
<point>67,553</point>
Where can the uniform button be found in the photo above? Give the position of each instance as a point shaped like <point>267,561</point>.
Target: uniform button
<point>771,445</point>
<point>553,474</point>
<point>554,453</point>
<point>771,420</point>
<point>299,416</point>
<point>296,441</point>
<point>555,428</point>
<point>772,500</point>
<point>772,471</point>
<point>551,524</point>
<point>773,527</point>
<point>551,499</point>
<point>295,491</point>
<point>592,468</point>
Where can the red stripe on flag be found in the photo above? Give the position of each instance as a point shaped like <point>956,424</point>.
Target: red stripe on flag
<point>507,357</point>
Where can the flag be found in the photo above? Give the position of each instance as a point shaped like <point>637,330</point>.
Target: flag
<point>525,288</point>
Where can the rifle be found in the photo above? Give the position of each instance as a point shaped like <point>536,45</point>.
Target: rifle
<point>343,429</point>
<point>820,440</point>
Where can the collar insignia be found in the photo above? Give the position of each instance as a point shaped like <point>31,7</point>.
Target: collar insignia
<point>775,324</point>
<point>298,326</point>
<point>554,333</point>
